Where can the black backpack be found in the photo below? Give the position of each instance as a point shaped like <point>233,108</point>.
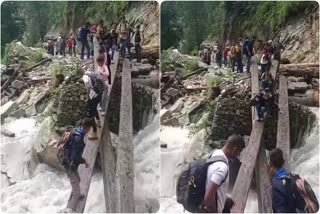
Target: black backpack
<point>191,186</point>
<point>97,83</point>
<point>63,147</point>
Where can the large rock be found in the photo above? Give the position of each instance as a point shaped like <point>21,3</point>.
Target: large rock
<point>165,114</point>
<point>177,106</point>
<point>45,143</point>
<point>23,98</point>
<point>7,108</point>
<point>7,132</point>
<point>18,84</point>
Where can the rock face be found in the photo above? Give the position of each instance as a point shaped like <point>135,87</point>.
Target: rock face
<point>301,39</point>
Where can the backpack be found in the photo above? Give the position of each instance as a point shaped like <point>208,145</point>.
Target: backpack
<point>82,35</point>
<point>191,186</point>
<point>63,147</point>
<point>97,83</point>
<point>303,188</point>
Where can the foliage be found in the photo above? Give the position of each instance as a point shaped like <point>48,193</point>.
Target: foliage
<point>214,81</point>
<point>38,56</point>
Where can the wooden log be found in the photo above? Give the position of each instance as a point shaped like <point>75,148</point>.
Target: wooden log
<point>38,64</point>
<point>108,156</point>
<point>283,130</point>
<point>310,70</point>
<point>125,160</point>
<point>198,71</point>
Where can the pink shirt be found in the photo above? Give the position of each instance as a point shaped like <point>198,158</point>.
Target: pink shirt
<point>104,72</point>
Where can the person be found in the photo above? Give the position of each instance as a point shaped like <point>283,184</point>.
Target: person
<point>277,47</point>
<point>219,57</point>
<point>94,92</point>
<point>123,33</point>
<point>208,56</point>
<point>225,56</point>
<point>264,103</point>
<point>284,199</point>
<point>105,75</point>
<point>106,40</point>
<point>93,29</point>
<point>232,54</point>
<point>57,45</point>
<point>265,59</point>
<point>91,44</point>
<point>238,59</point>
<point>218,176</point>
<point>249,51</point>
<point>83,37</point>
<point>76,149</point>
<point>100,31</point>
<point>63,46</point>
<point>70,44</point>
<point>138,41</point>
<point>114,43</point>
<point>50,47</point>
<point>74,44</point>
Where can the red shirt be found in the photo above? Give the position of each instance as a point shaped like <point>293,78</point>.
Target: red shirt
<point>70,42</point>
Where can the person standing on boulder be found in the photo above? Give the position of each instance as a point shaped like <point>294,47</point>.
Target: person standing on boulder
<point>76,148</point>
<point>138,41</point>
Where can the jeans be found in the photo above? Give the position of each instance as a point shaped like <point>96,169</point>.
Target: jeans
<point>239,66</point>
<point>92,111</point>
<point>125,45</point>
<point>70,51</point>
<point>113,49</point>
<point>137,48</point>
<point>85,44</point>
<point>248,64</point>
<point>74,178</point>
<point>260,110</point>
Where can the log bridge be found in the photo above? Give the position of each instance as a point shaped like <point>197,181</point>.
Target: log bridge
<point>254,157</point>
<point>116,157</point>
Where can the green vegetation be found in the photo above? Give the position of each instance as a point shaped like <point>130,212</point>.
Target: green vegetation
<point>186,24</point>
<point>214,81</point>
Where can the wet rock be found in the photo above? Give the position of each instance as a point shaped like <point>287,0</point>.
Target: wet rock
<point>177,106</point>
<point>23,98</point>
<point>173,121</point>
<point>165,114</point>
<point>4,100</point>
<point>7,108</point>
<point>7,133</point>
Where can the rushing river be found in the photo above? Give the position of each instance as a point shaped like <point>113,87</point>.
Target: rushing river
<point>43,189</point>
<point>304,161</point>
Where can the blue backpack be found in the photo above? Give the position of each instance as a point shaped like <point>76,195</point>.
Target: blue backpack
<point>82,35</point>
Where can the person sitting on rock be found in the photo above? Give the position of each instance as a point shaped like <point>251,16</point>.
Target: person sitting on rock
<point>264,103</point>
<point>75,151</point>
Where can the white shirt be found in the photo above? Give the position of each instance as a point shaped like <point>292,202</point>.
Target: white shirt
<point>216,174</point>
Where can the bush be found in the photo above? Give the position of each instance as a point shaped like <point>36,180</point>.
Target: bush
<point>214,81</point>
<point>37,57</point>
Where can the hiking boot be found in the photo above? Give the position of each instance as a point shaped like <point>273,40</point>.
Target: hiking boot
<point>93,136</point>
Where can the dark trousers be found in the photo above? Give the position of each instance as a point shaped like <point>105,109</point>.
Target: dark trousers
<point>74,51</point>
<point>85,44</point>
<point>74,178</point>
<point>137,48</point>
<point>219,62</point>
<point>63,51</point>
<point>233,63</point>
<point>225,59</point>
<point>70,51</point>
<point>92,111</point>
<point>239,66</point>
<point>248,63</point>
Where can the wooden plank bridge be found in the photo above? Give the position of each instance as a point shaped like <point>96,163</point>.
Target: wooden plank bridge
<point>254,158</point>
<point>116,157</point>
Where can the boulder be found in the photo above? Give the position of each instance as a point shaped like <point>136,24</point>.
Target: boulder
<point>23,98</point>
<point>177,106</point>
<point>18,84</point>
<point>45,144</point>
<point>165,114</point>
<point>173,121</point>
<point>7,133</point>
<point>4,100</point>
<point>298,86</point>
<point>7,108</point>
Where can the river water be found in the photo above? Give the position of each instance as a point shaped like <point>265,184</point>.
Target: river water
<point>44,189</point>
<point>304,161</point>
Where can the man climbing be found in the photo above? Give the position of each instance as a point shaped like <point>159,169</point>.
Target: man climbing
<point>138,41</point>
<point>75,148</point>
<point>215,199</point>
<point>264,103</point>
<point>83,38</point>
<point>284,199</point>
<point>95,88</point>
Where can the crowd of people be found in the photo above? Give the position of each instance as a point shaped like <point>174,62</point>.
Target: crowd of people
<point>118,37</point>
<point>98,85</point>
<point>239,53</point>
